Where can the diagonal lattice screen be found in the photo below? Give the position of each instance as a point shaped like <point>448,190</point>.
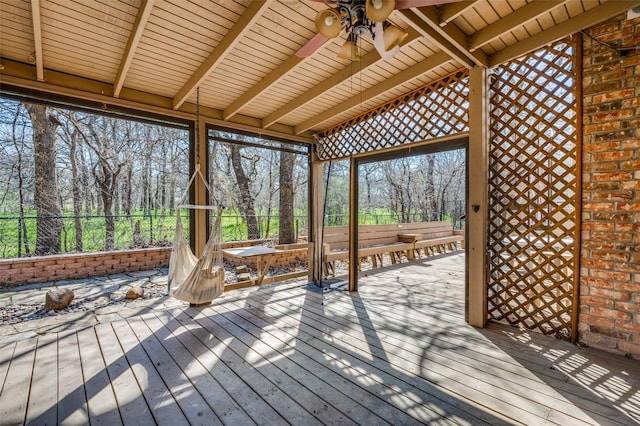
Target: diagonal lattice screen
<point>438,109</point>
<point>533,186</point>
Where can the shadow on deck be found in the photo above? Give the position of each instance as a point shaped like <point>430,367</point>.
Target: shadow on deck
<point>396,352</point>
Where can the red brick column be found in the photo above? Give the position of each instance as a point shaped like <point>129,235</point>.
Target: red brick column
<point>610,266</point>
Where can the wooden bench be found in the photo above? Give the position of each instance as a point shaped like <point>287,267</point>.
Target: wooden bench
<point>377,240</point>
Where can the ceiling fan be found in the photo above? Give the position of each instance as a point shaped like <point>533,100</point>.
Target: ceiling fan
<point>361,18</point>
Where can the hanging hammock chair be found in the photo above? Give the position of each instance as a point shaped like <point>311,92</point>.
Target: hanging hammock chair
<point>196,280</point>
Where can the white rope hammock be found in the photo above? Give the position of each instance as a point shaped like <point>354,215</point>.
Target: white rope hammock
<point>196,280</point>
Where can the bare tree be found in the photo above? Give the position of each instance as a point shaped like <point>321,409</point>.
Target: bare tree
<point>246,200</point>
<point>286,230</point>
<point>111,160</point>
<point>19,145</point>
<point>49,222</point>
<point>70,134</point>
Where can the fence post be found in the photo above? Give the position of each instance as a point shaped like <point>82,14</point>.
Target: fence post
<point>20,236</point>
<point>151,227</point>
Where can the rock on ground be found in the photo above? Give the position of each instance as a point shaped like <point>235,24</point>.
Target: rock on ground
<point>58,298</point>
<point>134,292</point>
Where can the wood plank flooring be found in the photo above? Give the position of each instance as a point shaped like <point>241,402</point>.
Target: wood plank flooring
<point>397,352</point>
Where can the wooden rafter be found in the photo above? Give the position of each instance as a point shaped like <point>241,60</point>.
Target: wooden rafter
<point>518,18</point>
<point>231,39</point>
<point>415,71</point>
<point>37,39</point>
<point>270,79</point>
<point>436,37</point>
<point>336,79</point>
<point>570,26</point>
<point>451,33</point>
<point>132,44</point>
<point>450,11</point>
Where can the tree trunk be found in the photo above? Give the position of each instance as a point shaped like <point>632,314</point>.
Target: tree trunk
<point>128,197</point>
<point>163,180</point>
<point>19,149</point>
<point>107,180</point>
<point>77,196</point>
<point>146,185</point>
<point>286,230</point>
<point>247,208</point>
<point>432,202</point>
<point>49,222</point>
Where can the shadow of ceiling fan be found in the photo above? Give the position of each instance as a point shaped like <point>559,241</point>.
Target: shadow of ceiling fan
<point>361,18</point>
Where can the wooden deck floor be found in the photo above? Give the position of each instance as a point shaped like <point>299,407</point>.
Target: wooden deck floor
<point>398,352</point>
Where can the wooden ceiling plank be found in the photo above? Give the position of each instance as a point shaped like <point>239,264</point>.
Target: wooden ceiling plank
<point>425,66</point>
<point>237,31</point>
<point>507,23</point>
<point>427,31</point>
<point>329,83</point>
<point>450,11</point>
<point>451,33</point>
<point>585,20</point>
<point>132,44</point>
<point>270,79</point>
<point>37,39</point>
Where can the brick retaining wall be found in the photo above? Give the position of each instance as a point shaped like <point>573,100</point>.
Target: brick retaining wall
<point>609,316</point>
<point>39,269</point>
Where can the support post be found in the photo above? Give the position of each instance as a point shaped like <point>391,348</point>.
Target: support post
<point>317,199</point>
<point>353,225</point>
<point>477,207</point>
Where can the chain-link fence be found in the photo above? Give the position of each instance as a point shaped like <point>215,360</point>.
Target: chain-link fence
<point>454,211</point>
<point>88,233</point>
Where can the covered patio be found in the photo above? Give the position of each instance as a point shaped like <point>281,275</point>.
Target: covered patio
<point>397,352</point>
<point>542,96</point>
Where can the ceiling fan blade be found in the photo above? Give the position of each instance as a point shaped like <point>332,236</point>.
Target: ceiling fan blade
<point>408,4</point>
<point>312,45</point>
<point>378,42</point>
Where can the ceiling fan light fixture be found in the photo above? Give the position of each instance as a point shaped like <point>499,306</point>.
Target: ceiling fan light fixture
<point>328,23</point>
<point>349,50</point>
<point>393,36</point>
<point>379,10</point>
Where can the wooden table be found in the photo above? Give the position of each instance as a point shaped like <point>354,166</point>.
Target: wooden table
<point>263,254</point>
<point>409,238</point>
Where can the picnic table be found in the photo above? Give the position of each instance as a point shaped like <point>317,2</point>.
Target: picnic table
<point>263,254</point>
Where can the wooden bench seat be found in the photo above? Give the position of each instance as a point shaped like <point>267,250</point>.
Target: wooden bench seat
<point>374,241</point>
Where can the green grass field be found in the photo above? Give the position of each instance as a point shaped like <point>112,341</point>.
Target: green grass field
<point>155,229</point>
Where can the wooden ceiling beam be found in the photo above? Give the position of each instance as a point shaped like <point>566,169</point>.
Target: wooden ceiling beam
<point>243,25</point>
<point>415,71</point>
<point>37,39</point>
<point>18,75</point>
<point>450,11</point>
<point>585,20</point>
<point>436,37</point>
<point>451,33</point>
<point>132,44</point>
<point>515,19</point>
<point>329,83</point>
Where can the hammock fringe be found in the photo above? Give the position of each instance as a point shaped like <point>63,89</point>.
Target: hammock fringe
<point>196,280</point>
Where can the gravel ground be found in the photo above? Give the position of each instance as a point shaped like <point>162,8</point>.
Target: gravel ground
<point>26,303</point>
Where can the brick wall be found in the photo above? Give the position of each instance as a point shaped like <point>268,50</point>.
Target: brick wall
<point>610,265</point>
<point>29,270</point>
